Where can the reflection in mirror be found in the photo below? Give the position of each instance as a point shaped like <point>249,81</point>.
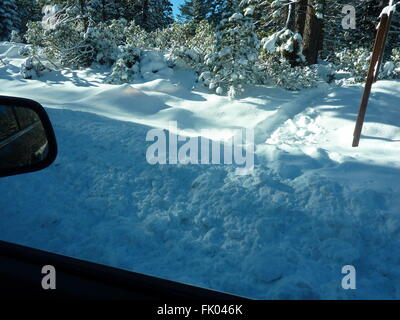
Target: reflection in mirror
<point>23,140</point>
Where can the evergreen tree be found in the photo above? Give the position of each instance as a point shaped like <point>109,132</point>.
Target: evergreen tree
<point>194,10</point>
<point>231,65</point>
<point>9,19</point>
<point>102,10</point>
<point>197,10</point>
<point>148,14</point>
<point>28,10</point>
<point>164,12</point>
<point>282,38</point>
<point>153,14</point>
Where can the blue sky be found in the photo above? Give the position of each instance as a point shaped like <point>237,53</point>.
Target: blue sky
<point>176,4</point>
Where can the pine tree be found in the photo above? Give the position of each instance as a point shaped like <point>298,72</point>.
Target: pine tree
<point>153,14</point>
<point>200,8</point>
<point>231,65</point>
<point>28,10</point>
<point>164,12</point>
<point>194,10</point>
<point>9,19</point>
<point>282,38</point>
<point>197,10</point>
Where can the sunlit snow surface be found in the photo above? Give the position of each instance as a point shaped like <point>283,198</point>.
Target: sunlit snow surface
<point>312,205</point>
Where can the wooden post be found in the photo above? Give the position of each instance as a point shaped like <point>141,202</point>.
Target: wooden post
<point>387,29</point>
<point>376,59</point>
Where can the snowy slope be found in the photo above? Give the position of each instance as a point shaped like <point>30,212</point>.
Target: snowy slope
<point>312,205</point>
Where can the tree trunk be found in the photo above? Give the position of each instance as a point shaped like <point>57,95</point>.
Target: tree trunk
<point>313,35</point>
<point>292,57</point>
<point>301,9</point>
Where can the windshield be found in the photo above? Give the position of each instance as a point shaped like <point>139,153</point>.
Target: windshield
<point>209,142</point>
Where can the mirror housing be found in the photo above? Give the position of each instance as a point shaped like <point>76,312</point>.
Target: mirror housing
<point>27,140</point>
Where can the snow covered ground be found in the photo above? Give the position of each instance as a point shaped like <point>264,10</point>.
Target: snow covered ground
<point>312,204</point>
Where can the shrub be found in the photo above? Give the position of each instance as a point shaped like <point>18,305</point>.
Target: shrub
<point>354,61</point>
<point>64,39</point>
<point>137,37</point>
<point>126,65</point>
<point>190,51</point>
<point>280,72</point>
<point>232,63</point>
<point>391,69</point>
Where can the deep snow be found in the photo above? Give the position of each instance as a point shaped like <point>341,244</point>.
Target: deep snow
<point>312,205</point>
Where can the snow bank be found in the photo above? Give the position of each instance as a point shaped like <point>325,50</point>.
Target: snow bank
<point>154,66</point>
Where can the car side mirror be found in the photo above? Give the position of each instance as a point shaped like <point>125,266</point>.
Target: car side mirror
<point>27,140</point>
